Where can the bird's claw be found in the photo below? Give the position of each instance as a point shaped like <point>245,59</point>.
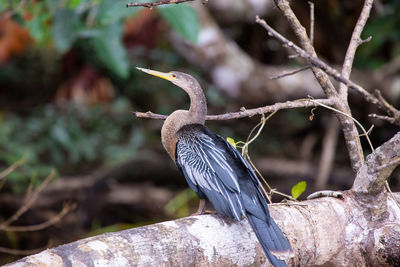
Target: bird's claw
<point>202,212</point>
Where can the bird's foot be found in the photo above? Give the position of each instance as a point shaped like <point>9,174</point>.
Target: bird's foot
<point>326,193</point>
<point>204,212</point>
<point>202,209</point>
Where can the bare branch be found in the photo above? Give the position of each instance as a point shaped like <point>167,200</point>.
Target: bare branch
<point>53,220</point>
<point>289,73</point>
<point>301,34</point>
<point>352,139</point>
<point>316,61</point>
<point>381,117</point>
<point>312,19</point>
<point>12,168</point>
<point>381,102</point>
<point>301,103</point>
<point>158,3</point>
<point>371,178</point>
<point>354,43</point>
<point>28,204</point>
<point>387,107</point>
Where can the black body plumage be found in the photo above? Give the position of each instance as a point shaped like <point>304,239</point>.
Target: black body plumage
<point>215,170</point>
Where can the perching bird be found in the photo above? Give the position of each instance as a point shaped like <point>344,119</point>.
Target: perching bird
<point>216,171</point>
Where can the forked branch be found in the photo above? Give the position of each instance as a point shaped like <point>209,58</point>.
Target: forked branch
<point>380,102</point>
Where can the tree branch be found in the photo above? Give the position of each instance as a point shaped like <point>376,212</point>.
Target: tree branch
<point>305,42</point>
<point>29,201</point>
<point>158,3</point>
<point>53,220</point>
<point>378,166</point>
<point>348,126</point>
<point>354,43</point>
<point>383,104</point>
<point>213,240</point>
<point>302,103</point>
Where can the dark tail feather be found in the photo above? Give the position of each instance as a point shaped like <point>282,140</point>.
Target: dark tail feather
<point>272,240</point>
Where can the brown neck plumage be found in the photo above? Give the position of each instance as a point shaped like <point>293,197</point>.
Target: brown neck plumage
<point>198,104</point>
<point>195,115</point>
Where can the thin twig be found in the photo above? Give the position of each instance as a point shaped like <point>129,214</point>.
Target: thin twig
<point>12,168</point>
<point>386,106</point>
<point>28,204</point>
<point>29,190</point>
<point>301,103</point>
<point>381,117</point>
<point>245,153</point>
<point>29,228</point>
<point>356,121</point>
<point>283,194</point>
<point>316,61</point>
<point>353,45</point>
<point>158,3</point>
<point>302,36</point>
<point>289,73</point>
<point>311,4</point>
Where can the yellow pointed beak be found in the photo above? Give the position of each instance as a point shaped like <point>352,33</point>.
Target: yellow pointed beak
<point>164,75</point>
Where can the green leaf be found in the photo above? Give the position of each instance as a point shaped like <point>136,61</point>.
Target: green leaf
<point>66,27</point>
<point>231,141</point>
<point>183,19</point>
<point>298,189</point>
<point>74,3</point>
<point>110,50</point>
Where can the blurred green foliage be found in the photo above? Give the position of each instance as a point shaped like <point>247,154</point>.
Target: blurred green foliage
<point>94,23</point>
<point>180,204</point>
<point>183,19</point>
<point>72,139</point>
<point>385,43</point>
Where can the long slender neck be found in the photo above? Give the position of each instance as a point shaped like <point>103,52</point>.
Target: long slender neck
<point>198,104</point>
<point>179,118</point>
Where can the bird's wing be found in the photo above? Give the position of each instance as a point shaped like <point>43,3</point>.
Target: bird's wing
<point>206,166</point>
<point>254,193</point>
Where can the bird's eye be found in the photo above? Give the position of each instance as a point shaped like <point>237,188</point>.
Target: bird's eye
<point>174,75</point>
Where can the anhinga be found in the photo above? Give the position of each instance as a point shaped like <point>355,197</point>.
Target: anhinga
<point>216,171</point>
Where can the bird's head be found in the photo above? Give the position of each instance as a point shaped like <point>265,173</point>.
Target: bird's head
<point>180,79</point>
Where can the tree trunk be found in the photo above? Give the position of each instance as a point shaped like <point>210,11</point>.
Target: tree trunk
<point>326,231</point>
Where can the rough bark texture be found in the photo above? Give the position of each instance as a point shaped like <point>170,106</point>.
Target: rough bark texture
<point>327,231</point>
